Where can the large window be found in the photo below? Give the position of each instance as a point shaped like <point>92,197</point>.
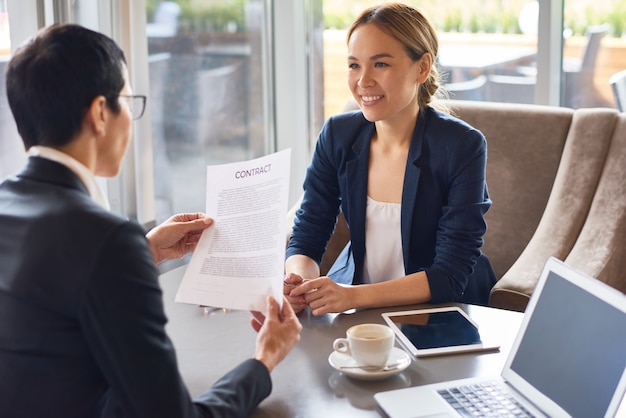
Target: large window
<point>206,65</point>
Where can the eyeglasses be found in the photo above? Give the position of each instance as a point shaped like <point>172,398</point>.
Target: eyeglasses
<point>137,105</point>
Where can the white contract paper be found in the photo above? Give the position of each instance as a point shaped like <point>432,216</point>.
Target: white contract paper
<point>240,259</point>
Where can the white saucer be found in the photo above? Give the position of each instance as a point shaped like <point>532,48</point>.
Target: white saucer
<point>398,356</point>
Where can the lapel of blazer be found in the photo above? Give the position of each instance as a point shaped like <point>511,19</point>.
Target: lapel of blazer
<point>411,182</point>
<point>356,172</point>
<point>47,171</point>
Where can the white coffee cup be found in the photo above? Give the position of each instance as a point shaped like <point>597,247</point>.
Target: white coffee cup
<point>367,344</point>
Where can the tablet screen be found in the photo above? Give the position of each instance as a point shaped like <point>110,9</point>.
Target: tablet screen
<point>435,331</point>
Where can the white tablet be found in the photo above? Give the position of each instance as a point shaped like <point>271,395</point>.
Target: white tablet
<point>437,331</point>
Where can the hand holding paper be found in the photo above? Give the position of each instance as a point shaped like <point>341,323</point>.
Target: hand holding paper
<point>239,260</point>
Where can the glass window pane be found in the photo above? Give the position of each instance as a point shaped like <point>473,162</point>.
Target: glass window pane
<point>594,49</point>
<point>11,148</point>
<point>206,94</point>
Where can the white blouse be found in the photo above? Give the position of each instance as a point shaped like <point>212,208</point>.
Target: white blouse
<point>383,242</point>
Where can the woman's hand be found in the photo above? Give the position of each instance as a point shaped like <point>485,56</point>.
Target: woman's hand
<point>323,295</point>
<point>292,281</point>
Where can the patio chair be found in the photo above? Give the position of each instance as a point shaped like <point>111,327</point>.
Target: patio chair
<point>618,83</point>
<point>473,89</point>
<point>578,73</point>
<point>511,88</point>
<point>221,105</point>
<point>579,90</point>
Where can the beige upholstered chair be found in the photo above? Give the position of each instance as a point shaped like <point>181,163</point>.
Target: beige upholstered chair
<point>600,249</point>
<point>573,190</point>
<point>525,144</point>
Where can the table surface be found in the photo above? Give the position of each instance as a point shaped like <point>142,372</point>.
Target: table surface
<point>209,342</point>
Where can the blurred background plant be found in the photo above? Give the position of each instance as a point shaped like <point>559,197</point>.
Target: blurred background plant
<point>207,15</point>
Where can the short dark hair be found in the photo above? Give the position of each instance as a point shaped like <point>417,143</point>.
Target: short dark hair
<point>52,80</point>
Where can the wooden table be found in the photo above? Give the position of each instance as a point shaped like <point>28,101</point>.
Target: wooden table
<point>211,342</point>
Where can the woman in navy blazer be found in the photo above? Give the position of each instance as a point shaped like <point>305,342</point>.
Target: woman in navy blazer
<point>410,180</point>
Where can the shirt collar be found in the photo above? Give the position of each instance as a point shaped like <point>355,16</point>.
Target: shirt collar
<point>83,173</point>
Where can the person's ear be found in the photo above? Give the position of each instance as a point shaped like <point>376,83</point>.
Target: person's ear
<point>424,65</point>
<point>97,115</point>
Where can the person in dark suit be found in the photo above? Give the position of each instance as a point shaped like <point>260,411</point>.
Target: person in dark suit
<point>408,177</point>
<point>82,324</point>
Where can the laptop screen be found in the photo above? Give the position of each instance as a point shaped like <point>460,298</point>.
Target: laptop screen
<point>574,347</point>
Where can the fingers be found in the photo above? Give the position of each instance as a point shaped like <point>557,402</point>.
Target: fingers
<point>203,222</point>
<point>256,325</point>
<point>292,280</point>
<point>277,334</point>
<point>325,296</point>
<point>193,239</point>
<point>192,221</point>
<point>296,306</point>
<point>297,303</point>
<point>187,217</point>
<point>257,320</point>
<point>306,286</point>
<point>192,231</point>
<point>258,316</point>
<point>198,224</point>
<point>272,307</point>
<point>288,311</point>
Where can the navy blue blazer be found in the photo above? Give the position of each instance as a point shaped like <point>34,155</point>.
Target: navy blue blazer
<point>82,324</point>
<point>444,198</point>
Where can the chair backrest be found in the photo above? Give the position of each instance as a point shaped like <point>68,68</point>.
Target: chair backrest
<point>600,247</point>
<point>594,38</point>
<point>567,207</point>
<point>579,89</point>
<point>511,88</point>
<point>220,104</point>
<point>618,83</point>
<point>525,144</point>
<point>473,89</point>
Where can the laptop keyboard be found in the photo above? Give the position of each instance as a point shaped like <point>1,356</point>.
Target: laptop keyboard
<point>483,400</point>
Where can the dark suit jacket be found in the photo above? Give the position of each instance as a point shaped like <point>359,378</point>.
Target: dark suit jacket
<point>81,316</point>
<point>444,198</point>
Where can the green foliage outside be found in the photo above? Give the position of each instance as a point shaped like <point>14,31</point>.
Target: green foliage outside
<point>207,15</point>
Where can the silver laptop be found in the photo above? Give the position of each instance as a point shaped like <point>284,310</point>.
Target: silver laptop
<point>568,359</point>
